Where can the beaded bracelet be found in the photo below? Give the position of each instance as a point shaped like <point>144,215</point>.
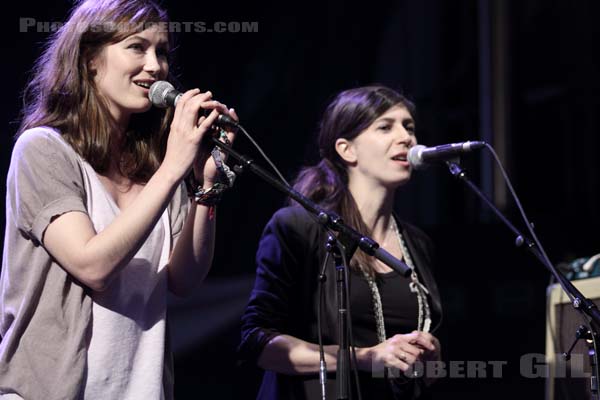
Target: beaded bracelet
<point>225,174</point>
<point>211,196</point>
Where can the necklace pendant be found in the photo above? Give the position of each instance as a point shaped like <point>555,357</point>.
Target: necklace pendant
<point>413,287</point>
<point>423,288</point>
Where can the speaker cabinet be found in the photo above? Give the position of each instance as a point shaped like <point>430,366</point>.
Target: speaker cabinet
<point>567,380</point>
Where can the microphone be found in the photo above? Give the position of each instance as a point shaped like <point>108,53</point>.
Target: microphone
<point>419,155</point>
<point>162,94</point>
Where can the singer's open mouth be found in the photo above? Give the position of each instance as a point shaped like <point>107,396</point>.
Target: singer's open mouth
<point>399,158</point>
<point>144,84</point>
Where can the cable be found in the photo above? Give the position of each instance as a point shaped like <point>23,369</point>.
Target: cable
<point>522,212</point>
<point>541,250</point>
<point>264,155</point>
<point>354,363</point>
<point>322,364</point>
<point>266,158</point>
<point>320,286</point>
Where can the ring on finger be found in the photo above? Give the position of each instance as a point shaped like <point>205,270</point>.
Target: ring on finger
<point>403,356</point>
<point>223,137</point>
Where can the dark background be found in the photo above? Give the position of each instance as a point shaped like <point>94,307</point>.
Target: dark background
<point>522,75</point>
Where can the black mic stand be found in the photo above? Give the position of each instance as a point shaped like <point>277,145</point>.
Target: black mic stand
<point>591,340</point>
<point>342,252</point>
<point>348,240</point>
<point>328,219</point>
<point>582,304</point>
<point>334,247</point>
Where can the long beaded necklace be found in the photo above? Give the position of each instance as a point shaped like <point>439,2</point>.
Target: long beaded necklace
<point>424,318</point>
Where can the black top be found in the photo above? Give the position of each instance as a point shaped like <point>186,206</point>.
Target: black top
<point>284,301</point>
<point>400,305</point>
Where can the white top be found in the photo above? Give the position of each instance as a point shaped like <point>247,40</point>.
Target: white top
<point>46,316</point>
<point>125,357</point>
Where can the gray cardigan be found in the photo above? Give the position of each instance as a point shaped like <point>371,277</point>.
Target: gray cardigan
<point>45,313</point>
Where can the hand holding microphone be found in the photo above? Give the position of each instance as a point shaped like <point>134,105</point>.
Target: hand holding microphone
<point>162,94</point>
<point>184,147</point>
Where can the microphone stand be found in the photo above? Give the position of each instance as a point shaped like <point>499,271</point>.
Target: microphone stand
<point>348,240</point>
<point>328,219</point>
<point>582,304</point>
<point>343,354</point>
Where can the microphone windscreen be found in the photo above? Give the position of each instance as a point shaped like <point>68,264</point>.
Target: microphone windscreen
<point>414,156</point>
<point>159,92</point>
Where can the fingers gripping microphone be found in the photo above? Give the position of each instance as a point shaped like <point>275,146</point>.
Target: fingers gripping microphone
<point>162,94</point>
<point>419,156</point>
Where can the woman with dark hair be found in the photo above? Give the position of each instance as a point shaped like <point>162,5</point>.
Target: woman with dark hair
<point>98,221</point>
<point>363,140</point>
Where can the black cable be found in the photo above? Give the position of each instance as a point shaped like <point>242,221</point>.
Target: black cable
<point>279,174</point>
<point>320,286</point>
<point>354,364</point>
<point>528,224</point>
<point>542,252</point>
<point>262,153</point>
<point>322,278</point>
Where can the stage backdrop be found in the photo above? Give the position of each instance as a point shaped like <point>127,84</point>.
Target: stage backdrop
<point>522,75</point>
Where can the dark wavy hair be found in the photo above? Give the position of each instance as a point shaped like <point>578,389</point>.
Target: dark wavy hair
<point>326,183</point>
<point>62,93</point>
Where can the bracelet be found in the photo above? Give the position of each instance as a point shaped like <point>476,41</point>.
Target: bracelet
<point>225,173</point>
<point>211,196</point>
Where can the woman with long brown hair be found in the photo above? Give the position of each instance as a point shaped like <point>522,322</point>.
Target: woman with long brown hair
<point>363,140</point>
<point>98,222</point>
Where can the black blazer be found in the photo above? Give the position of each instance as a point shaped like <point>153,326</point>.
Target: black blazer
<point>284,299</point>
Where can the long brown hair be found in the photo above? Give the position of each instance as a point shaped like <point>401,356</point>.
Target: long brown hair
<point>326,183</point>
<point>62,93</point>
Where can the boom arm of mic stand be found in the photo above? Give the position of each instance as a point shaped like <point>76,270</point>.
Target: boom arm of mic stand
<point>326,218</point>
<point>580,302</point>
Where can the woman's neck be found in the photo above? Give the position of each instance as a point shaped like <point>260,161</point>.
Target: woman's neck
<point>116,150</point>
<point>375,205</point>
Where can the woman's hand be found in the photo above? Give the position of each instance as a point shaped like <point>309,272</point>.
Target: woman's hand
<point>432,353</point>
<point>400,351</point>
<point>432,348</point>
<point>187,131</point>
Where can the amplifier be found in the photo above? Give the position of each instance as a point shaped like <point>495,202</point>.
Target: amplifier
<point>567,380</point>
